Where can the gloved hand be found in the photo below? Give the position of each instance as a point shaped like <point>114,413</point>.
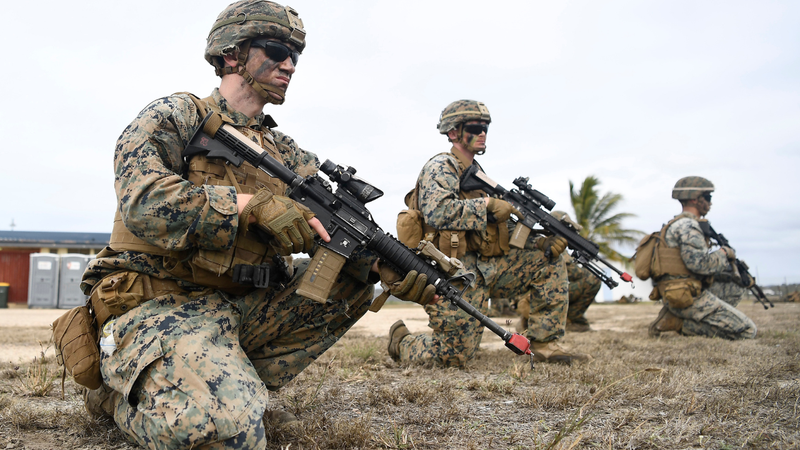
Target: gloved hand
<point>501,209</point>
<point>282,218</point>
<point>552,246</point>
<point>412,288</point>
<point>729,252</point>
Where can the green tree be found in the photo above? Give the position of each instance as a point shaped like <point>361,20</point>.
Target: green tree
<point>600,224</point>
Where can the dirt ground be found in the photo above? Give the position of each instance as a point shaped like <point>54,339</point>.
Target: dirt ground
<point>377,324</point>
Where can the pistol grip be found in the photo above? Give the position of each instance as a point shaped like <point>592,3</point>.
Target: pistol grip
<point>321,275</point>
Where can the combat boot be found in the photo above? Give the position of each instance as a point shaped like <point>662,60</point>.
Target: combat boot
<point>551,352</point>
<point>396,334</point>
<point>280,417</point>
<point>577,327</point>
<point>100,402</point>
<point>666,321</point>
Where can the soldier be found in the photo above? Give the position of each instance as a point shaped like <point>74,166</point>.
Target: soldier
<point>473,228</point>
<point>583,288</point>
<point>193,345</point>
<point>690,307</point>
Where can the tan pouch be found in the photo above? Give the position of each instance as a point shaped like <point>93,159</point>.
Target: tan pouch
<point>409,227</point>
<point>452,243</point>
<point>75,338</point>
<point>680,293</point>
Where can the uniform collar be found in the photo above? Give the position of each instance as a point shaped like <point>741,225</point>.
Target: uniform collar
<point>239,119</point>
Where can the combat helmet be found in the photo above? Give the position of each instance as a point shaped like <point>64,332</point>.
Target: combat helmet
<point>462,111</point>
<point>247,19</point>
<point>690,188</point>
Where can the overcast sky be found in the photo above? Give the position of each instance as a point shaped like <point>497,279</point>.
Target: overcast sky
<point>638,94</point>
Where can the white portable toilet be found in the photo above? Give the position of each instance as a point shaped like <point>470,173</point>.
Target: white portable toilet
<point>69,284</point>
<point>43,280</point>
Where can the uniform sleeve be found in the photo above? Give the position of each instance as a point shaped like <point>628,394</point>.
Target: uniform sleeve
<point>439,200</point>
<point>694,250</point>
<point>299,161</point>
<point>156,203</point>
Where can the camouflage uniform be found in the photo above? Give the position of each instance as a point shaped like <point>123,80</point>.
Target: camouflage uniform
<point>457,335</point>
<point>583,288</point>
<point>192,368</point>
<point>708,315</point>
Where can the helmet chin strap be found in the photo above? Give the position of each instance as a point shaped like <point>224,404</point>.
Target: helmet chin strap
<point>263,90</point>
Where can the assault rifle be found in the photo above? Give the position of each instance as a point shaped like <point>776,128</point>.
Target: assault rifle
<point>346,219</point>
<point>741,267</point>
<point>534,207</point>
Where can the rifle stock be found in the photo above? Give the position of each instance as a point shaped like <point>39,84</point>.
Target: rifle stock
<point>344,215</point>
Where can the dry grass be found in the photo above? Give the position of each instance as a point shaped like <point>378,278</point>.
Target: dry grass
<point>639,393</point>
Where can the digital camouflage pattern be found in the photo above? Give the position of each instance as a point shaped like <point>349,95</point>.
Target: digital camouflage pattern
<point>194,368</point>
<point>689,188</point>
<point>727,291</point>
<point>263,18</point>
<point>456,335</point>
<point>461,111</point>
<point>708,316</point>
<point>583,288</point>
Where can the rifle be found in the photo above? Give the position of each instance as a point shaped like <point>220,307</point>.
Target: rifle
<point>346,219</point>
<point>534,207</point>
<point>748,280</point>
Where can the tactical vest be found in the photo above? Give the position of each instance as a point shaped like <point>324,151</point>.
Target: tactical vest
<point>214,268</point>
<point>455,243</point>
<point>673,281</point>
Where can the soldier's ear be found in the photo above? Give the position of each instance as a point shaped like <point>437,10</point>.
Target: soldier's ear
<point>452,135</point>
<point>231,59</point>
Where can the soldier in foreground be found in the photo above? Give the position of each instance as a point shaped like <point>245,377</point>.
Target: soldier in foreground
<point>473,228</point>
<point>686,270</point>
<point>194,289</point>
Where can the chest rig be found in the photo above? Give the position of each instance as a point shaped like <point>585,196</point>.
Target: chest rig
<point>250,257</point>
<point>455,243</point>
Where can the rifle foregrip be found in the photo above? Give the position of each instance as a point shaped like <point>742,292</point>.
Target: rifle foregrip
<point>401,257</point>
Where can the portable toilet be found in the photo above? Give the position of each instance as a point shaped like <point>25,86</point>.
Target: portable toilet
<point>69,284</point>
<point>43,280</point>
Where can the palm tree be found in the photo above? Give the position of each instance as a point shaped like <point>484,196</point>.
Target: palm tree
<point>594,214</point>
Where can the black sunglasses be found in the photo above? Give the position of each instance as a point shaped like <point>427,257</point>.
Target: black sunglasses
<point>477,128</point>
<point>707,196</point>
<point>276,51</point>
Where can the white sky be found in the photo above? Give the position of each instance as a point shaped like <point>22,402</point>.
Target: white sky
<point>639,94</point>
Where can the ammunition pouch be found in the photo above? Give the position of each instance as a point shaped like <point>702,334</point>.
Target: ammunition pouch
<point>75,338</point>
<point>680,293</point>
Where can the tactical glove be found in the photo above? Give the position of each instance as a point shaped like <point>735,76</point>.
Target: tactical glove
<point>284,219</point>
<point>413,288</point>
<point>729,252</point>
<point>552,246</point>
<point>501,209</point>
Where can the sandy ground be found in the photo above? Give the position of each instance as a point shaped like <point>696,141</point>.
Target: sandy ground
<point>19,317</point>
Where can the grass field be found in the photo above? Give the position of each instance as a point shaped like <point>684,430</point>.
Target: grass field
<point>673,392</point>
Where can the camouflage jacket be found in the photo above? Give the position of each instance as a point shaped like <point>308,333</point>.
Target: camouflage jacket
<point>686,234</point>
<point>439,200</point>
<point>161,207</point>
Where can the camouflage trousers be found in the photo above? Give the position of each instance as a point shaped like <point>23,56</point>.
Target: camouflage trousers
<point>727,291</point>
<point>457,335</point>
<point>194,370</point>
<point>583,288</point>
<point>712,317</point>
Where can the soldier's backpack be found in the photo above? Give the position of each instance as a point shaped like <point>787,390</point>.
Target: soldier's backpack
<point>653,258</point>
